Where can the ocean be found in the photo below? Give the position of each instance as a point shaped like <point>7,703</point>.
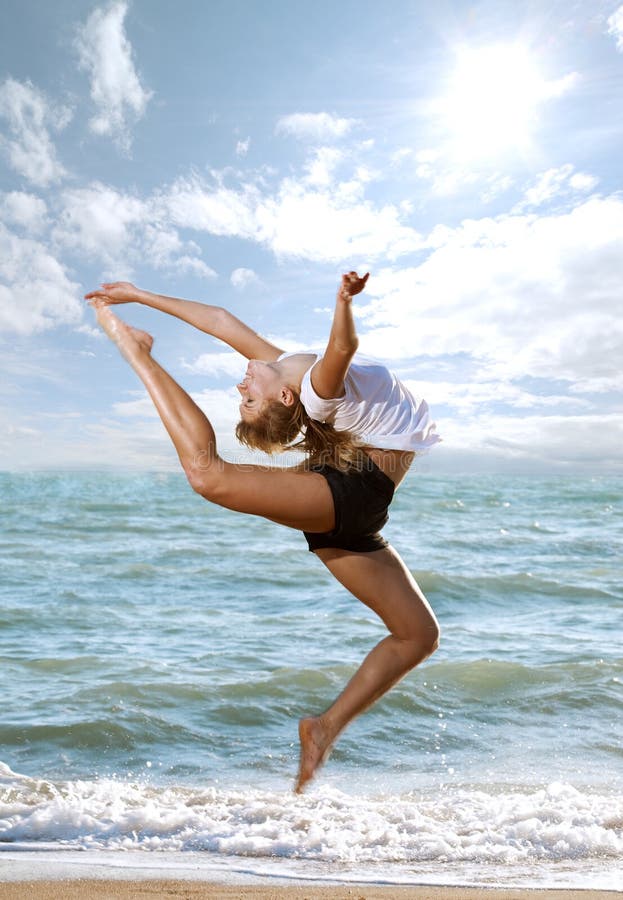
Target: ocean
<point>156,653</point>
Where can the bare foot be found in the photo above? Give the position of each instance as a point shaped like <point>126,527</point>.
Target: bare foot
<point>315,748</point>
<point>129,340</point>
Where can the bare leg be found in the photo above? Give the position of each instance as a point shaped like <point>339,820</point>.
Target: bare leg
<point>290,497</point>
<point>382,582</point>
<point>189,429</point>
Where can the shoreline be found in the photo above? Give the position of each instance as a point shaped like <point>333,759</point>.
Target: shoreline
<point>175,889</point>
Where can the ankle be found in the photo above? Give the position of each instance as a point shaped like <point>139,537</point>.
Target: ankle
<point>328,726</point>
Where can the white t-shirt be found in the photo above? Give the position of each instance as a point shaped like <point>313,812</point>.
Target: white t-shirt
<point>377,407</point>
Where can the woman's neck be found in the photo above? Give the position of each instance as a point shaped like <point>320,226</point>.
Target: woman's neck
<point>292,368</point>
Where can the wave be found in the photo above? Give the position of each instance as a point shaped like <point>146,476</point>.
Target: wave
<point>485,825</point>
<point>511,586</point>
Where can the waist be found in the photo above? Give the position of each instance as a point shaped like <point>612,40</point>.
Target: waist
<point>392,463</point>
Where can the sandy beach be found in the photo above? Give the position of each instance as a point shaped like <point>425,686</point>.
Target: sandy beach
<point>185,890</point>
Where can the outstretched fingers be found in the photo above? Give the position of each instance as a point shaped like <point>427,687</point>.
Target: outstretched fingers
<point>115,292</point>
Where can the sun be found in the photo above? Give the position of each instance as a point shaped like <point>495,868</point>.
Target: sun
<point>492,100</point>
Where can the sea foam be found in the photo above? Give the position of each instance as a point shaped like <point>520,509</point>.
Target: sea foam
<point>486,825</point>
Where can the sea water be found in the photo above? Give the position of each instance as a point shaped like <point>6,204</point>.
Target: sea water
<point>156,653</point>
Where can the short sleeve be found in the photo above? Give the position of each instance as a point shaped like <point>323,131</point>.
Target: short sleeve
<point>318,408</point>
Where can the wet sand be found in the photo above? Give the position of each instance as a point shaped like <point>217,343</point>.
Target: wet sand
<point>191,890</point>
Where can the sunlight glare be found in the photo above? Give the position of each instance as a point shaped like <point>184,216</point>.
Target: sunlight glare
<point>492,100</point>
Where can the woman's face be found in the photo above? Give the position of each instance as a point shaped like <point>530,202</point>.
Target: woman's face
<point>261,382</point>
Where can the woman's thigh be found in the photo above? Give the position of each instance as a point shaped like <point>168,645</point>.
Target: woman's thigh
<point>289,496</point>
<point>382,581</point>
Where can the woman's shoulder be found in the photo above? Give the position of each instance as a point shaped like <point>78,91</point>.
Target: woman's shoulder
<point>290,354</point>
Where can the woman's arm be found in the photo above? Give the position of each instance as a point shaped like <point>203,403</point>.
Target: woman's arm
<point>328,374</point>
<point>213,320</point>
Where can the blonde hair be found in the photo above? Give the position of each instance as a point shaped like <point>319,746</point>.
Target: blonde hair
<point>277,426</point>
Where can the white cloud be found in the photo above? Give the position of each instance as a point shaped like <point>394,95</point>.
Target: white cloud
<point>541,442</point>
<point>449,179</point>
<point>27,144</point>
<point>242,278</point>
<point>582,181</point>
<point>221,407</point>
<point>27,211</point>
<point>242,147</point>
<point>141,407</point>
<point>315,126</point>
<point>471,398</point>
<point>403,154</point>
<point>495,185</point>
<point>553,182</point>
<point>103,445</point>
<point>324,223</point>
<point>615,27</point>
<point>427,155</point>
<point>316,216</point>
<point>446,181</point>
<point>166,250</point>
<point>35,291</point>
<point>558,87</point>
<point>321,167</point>
<point>611,383</point>
<point>446,176</point>
<point>222,363</point>
<point>131,437</point>
<point>537,296</point>
<point>91,332</point>
<point>106,54</point>
<point>117,229</point>
<point>190,265</point>
<point>130,434</point>
<point>217,209</point>
<point>99,222</point>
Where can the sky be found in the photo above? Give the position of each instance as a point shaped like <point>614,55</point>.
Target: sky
<point>245,153</point>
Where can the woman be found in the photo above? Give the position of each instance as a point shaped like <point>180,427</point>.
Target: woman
<point>338,498</point>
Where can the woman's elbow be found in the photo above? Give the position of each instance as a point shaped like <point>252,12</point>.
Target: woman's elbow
<point>347,346</point>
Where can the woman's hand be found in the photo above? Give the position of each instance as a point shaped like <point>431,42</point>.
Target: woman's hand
<point>352,284</point>
<point>116,292</point>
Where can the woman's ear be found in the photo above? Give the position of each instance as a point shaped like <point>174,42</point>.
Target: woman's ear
<point>286,395</point>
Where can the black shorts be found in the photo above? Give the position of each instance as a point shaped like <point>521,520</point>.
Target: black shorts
<point>361,500</point>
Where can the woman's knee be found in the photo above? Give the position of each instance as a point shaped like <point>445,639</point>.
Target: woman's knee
<point>423,638</point>
<point>429,639</point>
<point>434,636</point>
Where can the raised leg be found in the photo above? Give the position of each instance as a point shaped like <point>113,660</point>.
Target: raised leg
<point>381,581</point>
<point>287,496</point>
